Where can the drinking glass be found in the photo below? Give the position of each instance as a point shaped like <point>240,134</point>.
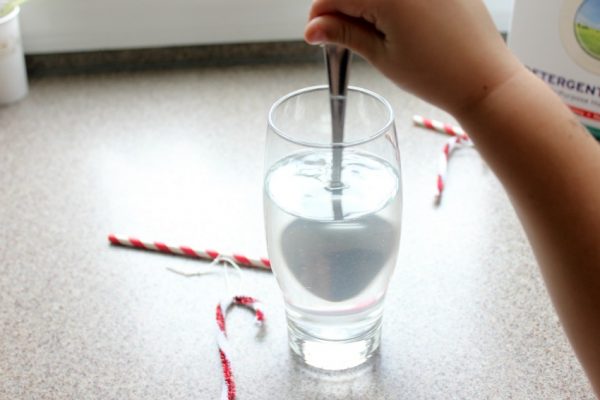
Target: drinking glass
<point>333,217</point>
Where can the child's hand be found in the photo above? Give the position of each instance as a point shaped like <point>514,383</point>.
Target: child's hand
<point>448,52</point>
<point>445,51</point>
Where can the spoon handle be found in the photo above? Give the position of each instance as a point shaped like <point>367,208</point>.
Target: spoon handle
<point>337,59</point>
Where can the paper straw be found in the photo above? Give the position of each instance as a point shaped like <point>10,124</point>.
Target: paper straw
<point>262,263</point>
<point>438,126</point>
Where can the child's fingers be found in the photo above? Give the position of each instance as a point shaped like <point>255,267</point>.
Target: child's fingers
<point>351,8</point>
<point>352,33</point>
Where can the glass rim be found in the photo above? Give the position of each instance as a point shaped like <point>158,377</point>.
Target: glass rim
<point>386,126</point>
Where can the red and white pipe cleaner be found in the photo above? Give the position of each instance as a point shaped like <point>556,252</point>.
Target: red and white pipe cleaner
<point>228,391</point>
<point>459,138</point>
<point>449,147</point>
<point>262,263</point>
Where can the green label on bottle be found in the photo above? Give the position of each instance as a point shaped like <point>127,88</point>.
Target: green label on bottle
<point>594,131</point>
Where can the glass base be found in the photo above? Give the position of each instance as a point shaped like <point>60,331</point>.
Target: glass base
<point>334,355</point>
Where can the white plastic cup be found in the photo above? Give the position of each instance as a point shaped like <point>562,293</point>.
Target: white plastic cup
<point>13,74</point>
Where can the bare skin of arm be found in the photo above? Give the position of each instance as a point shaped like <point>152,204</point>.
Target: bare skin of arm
<point>548,163</point>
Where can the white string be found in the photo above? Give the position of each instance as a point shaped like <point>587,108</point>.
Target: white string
<point>227,260</point>
<point>211,270</point>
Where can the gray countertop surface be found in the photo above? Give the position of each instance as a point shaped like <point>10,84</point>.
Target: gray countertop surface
<point>176,156</point>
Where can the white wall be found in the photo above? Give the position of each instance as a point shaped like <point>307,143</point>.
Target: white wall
<point>74,25</point>
<point>501,11</point>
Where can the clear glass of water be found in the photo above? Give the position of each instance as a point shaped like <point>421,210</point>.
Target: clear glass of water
<point>333,217</point>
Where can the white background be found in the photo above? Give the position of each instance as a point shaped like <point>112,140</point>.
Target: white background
<point>75,25</point>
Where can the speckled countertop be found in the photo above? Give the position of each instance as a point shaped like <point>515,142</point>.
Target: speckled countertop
<point>176,155</point>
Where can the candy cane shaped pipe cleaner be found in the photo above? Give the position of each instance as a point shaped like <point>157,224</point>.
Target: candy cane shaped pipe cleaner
<point>261,263</point>
<point>228,392</point>
<point>449,147</point>
<point>459,139</point>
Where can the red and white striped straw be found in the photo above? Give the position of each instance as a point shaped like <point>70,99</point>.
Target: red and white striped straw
<point>262,263</point>
<point>438,126</point>
<point>228,391</point>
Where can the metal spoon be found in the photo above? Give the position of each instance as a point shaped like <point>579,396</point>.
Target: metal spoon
<point>337,59</point>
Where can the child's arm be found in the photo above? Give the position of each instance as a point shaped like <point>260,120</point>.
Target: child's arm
<point>550,167</point>
<point>449,53</point>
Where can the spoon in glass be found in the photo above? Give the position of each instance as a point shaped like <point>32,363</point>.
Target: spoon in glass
<point>337,59</point>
